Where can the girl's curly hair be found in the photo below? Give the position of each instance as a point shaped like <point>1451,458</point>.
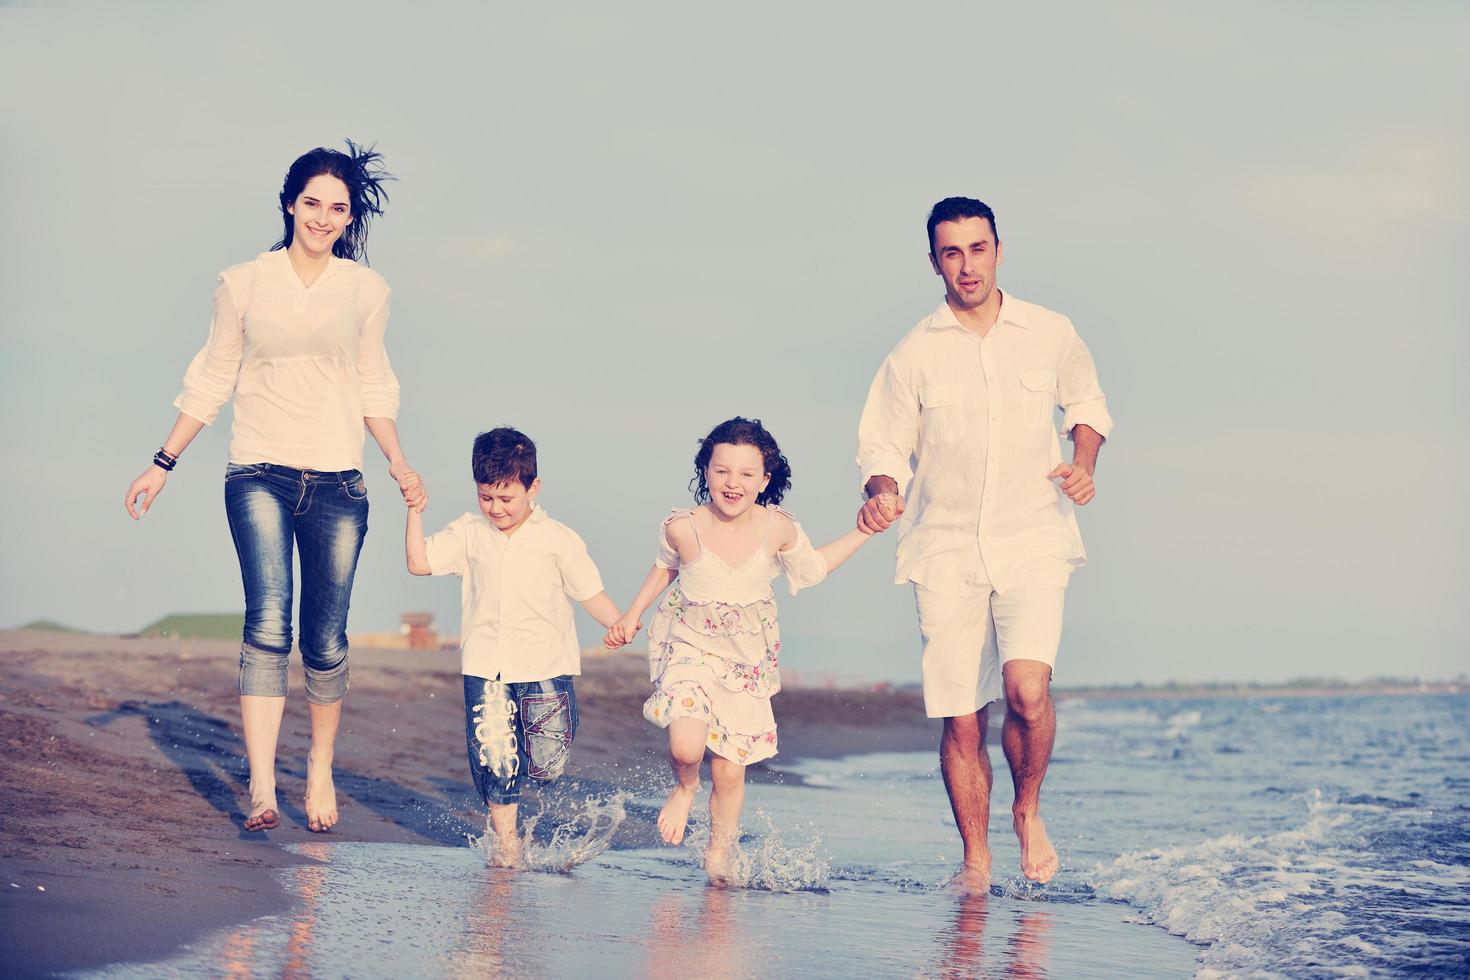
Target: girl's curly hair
<point>743,432</point>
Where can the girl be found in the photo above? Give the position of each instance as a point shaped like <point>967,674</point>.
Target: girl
<point>297,338</point>
<point>714,642</point>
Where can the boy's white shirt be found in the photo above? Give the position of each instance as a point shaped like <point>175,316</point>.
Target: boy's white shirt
<point>515,594</point>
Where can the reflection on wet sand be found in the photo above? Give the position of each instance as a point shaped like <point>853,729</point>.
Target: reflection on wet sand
<point>1029,946</point>
<point>490,915</point>
<point>237,958</point>
<point>245,951</point>
<point>308,879</point>
<point>963,944</point>
<point>695,936</point>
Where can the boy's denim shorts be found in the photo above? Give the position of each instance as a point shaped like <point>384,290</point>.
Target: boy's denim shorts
<point>517,731</point>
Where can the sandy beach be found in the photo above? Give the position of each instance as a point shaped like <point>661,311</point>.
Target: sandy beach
<point>124,781</point>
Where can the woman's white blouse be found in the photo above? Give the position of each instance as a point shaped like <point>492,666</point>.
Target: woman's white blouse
<point>306,365</point>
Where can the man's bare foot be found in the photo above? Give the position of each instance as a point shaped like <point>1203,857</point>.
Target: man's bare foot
<point>263,812</point>
<point>673,819</point>
<point>971,879</point>
<point>1038,858</point>
<point>321,797</point>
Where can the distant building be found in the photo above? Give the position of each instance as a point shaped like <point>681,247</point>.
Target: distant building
<point>415,632</point>
<point>419,628</point>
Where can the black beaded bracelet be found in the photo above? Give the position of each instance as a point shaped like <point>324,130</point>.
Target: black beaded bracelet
<point>164,461</point>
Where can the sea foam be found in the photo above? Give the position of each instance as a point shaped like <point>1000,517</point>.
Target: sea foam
<point>1271,905</point>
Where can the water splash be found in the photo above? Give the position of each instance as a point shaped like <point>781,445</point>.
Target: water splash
<point>764,862</point>
<point>582,830</point>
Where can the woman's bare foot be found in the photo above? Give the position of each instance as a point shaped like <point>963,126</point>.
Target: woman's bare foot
<point>321,796</point>
<point>263,812</point>
<point>673,819</point>
<point>1038,858</point>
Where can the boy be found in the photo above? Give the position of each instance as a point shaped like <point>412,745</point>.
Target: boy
<point>518,645</point>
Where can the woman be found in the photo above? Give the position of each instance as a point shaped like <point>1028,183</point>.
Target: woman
<point>297,338</point>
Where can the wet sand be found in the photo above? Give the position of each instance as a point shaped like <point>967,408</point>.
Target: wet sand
<point>122,793</point>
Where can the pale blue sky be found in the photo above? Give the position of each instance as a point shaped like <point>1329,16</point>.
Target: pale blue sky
<point>616,228</point>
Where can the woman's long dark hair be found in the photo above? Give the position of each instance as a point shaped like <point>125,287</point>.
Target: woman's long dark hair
<point>743,432</point>
<point>361,169</point>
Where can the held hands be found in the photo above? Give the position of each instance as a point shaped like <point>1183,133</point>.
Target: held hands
<point>1076,482</point>
<point>621,633</point>
<point>879,513</point>
<point>148,486</point>
<point>411,486</point>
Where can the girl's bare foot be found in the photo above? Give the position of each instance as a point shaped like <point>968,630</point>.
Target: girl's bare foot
<point>321,796</point>
<point>263,812</point>
<point>1038,858</point>
<point>673,819</point>
<point>717,863</point>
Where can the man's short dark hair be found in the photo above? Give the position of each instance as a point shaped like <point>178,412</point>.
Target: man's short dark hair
<point>958,209</point>
<point>504,455</point>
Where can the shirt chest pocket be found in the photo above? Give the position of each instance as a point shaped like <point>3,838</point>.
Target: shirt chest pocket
<point>537,584</point>
<point>942,413</point>
<point>1038,398</point>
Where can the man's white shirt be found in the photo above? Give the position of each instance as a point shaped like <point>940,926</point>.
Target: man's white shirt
<point>966,425</point>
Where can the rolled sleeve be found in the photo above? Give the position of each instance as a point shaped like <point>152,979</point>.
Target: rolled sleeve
<point>1080,393</point>
<point>579,576</point>
<point>889,429</point>
<point>210,379</point>
<point>374,371</point>
<point>446,549</point>
<point>668,555</point>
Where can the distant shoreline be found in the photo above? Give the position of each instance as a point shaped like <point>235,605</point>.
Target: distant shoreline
<point>1310,687</point>
<point>1187,692</point>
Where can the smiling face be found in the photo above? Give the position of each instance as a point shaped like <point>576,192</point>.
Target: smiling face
<point>507,505</point>
<point>736,475</point>
<point>965,256</point>
<point>321,212</point>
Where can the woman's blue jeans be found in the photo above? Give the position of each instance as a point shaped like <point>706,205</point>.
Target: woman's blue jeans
<point>325,515</point>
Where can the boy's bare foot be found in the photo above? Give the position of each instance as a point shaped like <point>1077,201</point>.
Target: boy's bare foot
<point>263,812</point>
<point>321,797</point>
<point>673,819</point>
<point>1038,858</point>
<point>507,852</point>
<point>506,831</point>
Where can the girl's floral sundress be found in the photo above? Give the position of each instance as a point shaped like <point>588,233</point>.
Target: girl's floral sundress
<point>714,644</point>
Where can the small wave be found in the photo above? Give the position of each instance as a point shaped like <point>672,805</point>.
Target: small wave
<point>1181,722</point>
<point>581,832</point>
<point>1308,901</point>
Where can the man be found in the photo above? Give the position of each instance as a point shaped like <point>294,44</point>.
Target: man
<point>958,445</point>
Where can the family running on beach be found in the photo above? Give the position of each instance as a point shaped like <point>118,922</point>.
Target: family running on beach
<point>957,445</point>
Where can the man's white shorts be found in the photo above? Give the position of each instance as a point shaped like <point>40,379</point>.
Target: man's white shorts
<point>967,639</point>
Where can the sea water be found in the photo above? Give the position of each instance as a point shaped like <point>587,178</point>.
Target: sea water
<point>1228,837</point>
